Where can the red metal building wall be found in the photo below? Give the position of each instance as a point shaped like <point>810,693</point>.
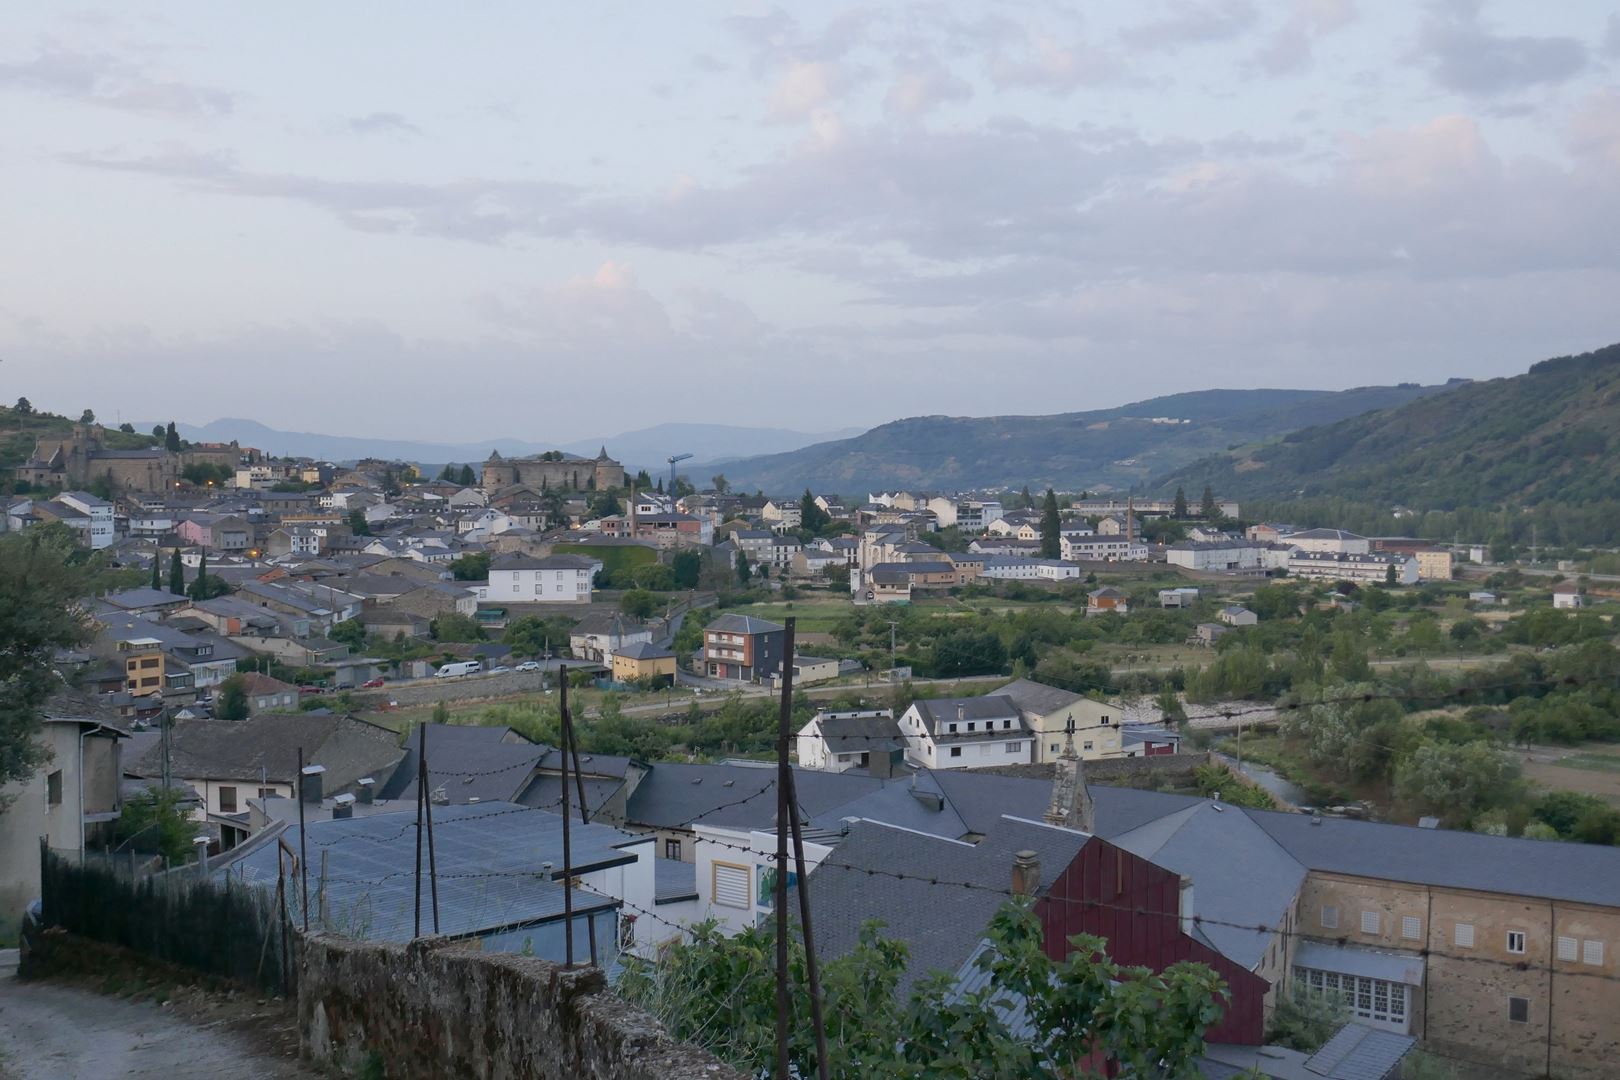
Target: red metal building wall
<point>1135,905</point>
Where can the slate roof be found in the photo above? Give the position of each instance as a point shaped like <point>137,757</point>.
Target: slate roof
<point>489,861</point>
<point>643,650</point>
<point>225,750</point>
<point>516,561</point>
<point>675,795</point>
<point>1035,698</point>
<point>936,712</point>
<point>732,623</point>
<point>467,762</point>
<point>673,881</point>
<point>855,734</point>
<point>1326,534</point>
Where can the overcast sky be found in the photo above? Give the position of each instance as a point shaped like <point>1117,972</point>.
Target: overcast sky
<point>559,220</point>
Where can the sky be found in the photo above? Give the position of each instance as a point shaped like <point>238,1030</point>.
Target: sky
<point>553,221</point>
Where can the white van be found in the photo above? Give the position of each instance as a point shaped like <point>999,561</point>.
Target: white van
<point>458,669</point>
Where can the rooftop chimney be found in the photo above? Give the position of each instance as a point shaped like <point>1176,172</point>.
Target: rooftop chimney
<point>310,785</point>
<point>368,789</point>
<point>342,807</point>
<point>961,711</point>
<point>1026,873</point>
<point>1185,904</point>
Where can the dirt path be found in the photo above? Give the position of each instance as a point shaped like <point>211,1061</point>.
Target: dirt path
<point>54,1030</point>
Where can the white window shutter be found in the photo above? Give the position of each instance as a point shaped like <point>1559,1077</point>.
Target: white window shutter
<point>1411,927</point>
<point>1369,922</point>
<point>1592,953</point>
<point>1567,948</point>
<point>730,885</point>
<point>1464,936</point>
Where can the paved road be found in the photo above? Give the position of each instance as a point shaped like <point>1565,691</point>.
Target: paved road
<point>64,1033</point>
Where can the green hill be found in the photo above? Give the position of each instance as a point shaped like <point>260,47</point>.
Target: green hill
<point>1547,440</point>
<point>1106,449</point>
<point>20,431</point>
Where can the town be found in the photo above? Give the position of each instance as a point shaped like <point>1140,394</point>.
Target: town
<point>1256,732</point>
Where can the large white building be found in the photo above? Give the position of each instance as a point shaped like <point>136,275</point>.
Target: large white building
<point>524,579</point>
<point>1330,540</point>
<point>1075,547</point>
<point>1215,555</point>
<point>966,733</point>
<point>99,511</point>
<point>1361,568</point>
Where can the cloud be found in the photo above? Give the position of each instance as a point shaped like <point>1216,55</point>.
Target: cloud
<point>382,123</point>
<point>1594,130</point>
<point>803,88</point>
<point>1056,64</point>
<point>1290,48</point>
<point>110,82</point>
<point>1193,22</point>
<point>1462,54</point>
<point>1611,36</point>
<point>922,85</point>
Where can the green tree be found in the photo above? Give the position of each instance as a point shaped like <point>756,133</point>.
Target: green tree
<point>1456,783</point>
<point>358,524</point>
<point>638,603</point>
<point>157,431</point>
<point>604,504</point>
<point>454,626</point>
<point>127,428</point>
<point>812,518</point>
<point>177,574</point>
<point>157,571</point>
<point>199,587</point>
<point>745,570</point>
<point>87,417</point>
<point>232,702</point>
<point>688,568</point>
<point>1206,506</point>
<point>1026,501</point>
<point>43,576</point>
<point>171,438</point>
<point>465,478</point>
<point>351,632</point>
<point>721,484</point>
<point>969,652</point>
<point>471,567</point>
<point>448,474</point>
<point>24,407</point>
<point>1390,577</point>
<point>1180,511</point>
<point>1051,527</point>
<point>154,821</point>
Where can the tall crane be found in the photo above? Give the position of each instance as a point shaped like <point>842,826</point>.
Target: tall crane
<point>671,489</point>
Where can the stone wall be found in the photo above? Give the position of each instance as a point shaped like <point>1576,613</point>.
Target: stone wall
<point>435,1010</point>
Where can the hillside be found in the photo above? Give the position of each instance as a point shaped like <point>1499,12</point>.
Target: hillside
<point>1551,435</point>
<point>19,433</point>
<point>1107,449</point>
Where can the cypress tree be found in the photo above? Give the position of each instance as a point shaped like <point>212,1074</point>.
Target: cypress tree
<point>157,571</point>
<point>199,588</point>
<point>1180,511</point>
<point>177,575</point>
<point>171,438</point>
<point>1207,505</point>
<point>466,476</point>
<point>1051,527</point>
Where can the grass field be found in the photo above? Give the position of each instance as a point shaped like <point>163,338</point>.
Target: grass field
<point>815,616</point>
<point>1592,769</point>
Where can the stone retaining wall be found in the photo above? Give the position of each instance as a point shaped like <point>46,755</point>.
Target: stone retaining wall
<point>434,1010</point>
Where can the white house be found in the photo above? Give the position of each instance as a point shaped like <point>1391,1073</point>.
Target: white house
<point>99,511</point>
<point>1235,615</point>
<point>966,733</point>
<point>735,874</point>
<point>1568,596</point>
<point>840,741</point>
<point>1077,547</point>
<point>1182,597</point>
<point>517,578</point>
<point>782,514</point>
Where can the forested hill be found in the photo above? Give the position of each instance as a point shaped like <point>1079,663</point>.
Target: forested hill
<point>1549,436</point>
<point>1106,449</point>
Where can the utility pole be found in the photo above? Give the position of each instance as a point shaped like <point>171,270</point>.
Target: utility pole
<point>892,654</point>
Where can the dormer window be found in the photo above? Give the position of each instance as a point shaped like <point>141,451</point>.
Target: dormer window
<point>970,725</point>
<point>1006,723</point>
<point>951,728</point>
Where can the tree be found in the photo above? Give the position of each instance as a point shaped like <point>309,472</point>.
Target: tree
<point>24,407</point>
<point>638,603</point>
<point>154,822</point>
<point>43,575</point>
<point>721,484</point>
<point>719,991</point>
<point>157,571</point>
<point>465,478</point>
<point>448,474</point>
<point>969,652</point>
<point>812,518</point>
<point>199,587</point>
<point>1180,511</point>
<point>1206,506</point>
<point>454,626</point>
<point>171,438</point>
<point>1455,782</point>
<point>604,504</point>
<point>157,431</point>
<point>177,574</point>
<point>127,428</point>
<point>1051,527</point>
<point>350,632</point>
<point>358,523</point>
<point>688,568</point>
<point>643,481</point>
<point>745,570</point>
<point>87,417</point>
<point>473,567</point>
<point>232,702</point>
<point>1389,575</point>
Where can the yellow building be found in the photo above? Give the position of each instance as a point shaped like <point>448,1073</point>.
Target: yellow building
<point>642,660</point>
<point>143,665</point>
<point>1047,711</point>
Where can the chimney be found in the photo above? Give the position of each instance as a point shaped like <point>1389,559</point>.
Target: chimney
<point>880,762</point>
<point>201,843</point>
<point>633,510</point>
<point>368,790</point>
<point>342,807</point>
<point>961,711</point>
<point>1026,873</point>
<point>1184,904</point>
<point>310,783</point>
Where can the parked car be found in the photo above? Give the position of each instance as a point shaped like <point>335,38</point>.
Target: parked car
<point>499,669</point>
<point>529,665</point>
<point>458,668</point>
<point>372,684</point>
<point>305,691</point>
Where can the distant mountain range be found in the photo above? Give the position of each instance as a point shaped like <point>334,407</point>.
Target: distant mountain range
<point>1551,435</point>
<point>644,448</point>
<point>1106,449</point>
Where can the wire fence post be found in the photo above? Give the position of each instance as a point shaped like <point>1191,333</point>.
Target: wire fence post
<point>421,793</point>
<point>811,965</point>
<point>784,780</point>
<point>427,807</point>
<point>303,844</point>
<point>568,851</point>
<point>567,721</point>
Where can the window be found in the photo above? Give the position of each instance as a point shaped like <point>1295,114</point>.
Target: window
<point>1592,953</point>
<point>227,799</point>
<point>53,788</point>
<point>1369,922</point>
<point>970,725</point>
<point>951,728</point>
<point>1006,724</point>
<point>672,849</point>
<point>1566,948</point>
<point>1330,917</point>
<point>956,751</point>
<point>1382,1002</point>
<point>266,792</point>
<point>1515,942</point>
<point>1519,1010</point>
<point>1054,748</point>
<point>1463,936</point>
<point>1411,927</point>
<point>730,885</point>
<point>1015,747</point>
<point>1086,744</point>
<point>627,932</point>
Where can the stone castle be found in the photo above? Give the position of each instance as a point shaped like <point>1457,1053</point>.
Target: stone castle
<point>553,469</point>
